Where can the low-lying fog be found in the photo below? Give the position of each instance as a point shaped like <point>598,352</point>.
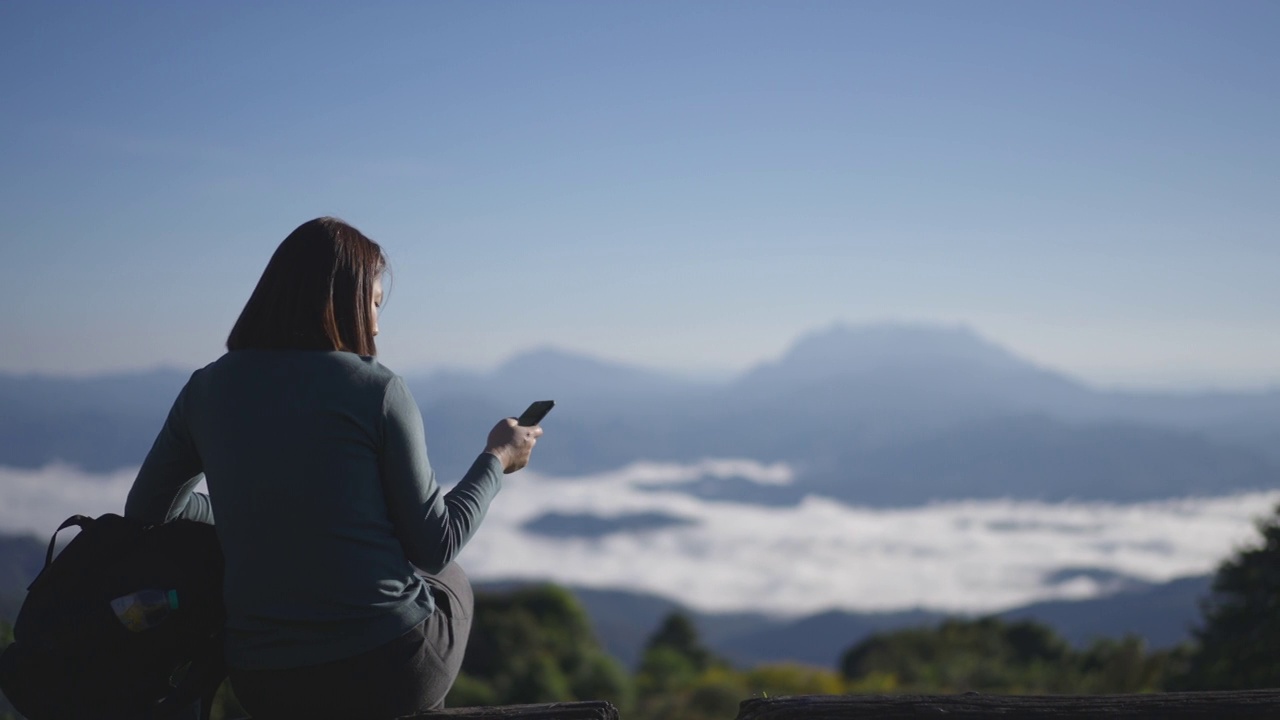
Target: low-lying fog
<point>817,555</point>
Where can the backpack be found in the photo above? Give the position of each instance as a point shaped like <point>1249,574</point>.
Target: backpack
<point>73,658</point>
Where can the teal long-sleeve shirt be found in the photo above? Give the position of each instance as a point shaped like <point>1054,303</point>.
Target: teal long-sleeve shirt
<point>317,470</point>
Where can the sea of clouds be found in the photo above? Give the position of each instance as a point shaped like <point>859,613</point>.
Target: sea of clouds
<point>970,556</point>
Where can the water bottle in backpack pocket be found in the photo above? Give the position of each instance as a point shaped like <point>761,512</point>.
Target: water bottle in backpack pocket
<point>144,609</point>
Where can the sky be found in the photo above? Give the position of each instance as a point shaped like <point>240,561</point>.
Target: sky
<point>680,185</point>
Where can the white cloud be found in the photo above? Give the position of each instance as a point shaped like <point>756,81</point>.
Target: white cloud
<point>656,473</point>
<point>964,556</point>
<point>37,501</point>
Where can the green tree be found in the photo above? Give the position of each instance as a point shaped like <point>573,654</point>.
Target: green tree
<point>792,679</point>
<point>536,644</point>
<point>680,678</point>
<point>991,655</point>
<point>664,670</point>
<point>1125,666</point>
<point>987,655</point>
<point>470,692</point>
<point>678,634</point>
<point>1238,641</point>
<point>6,638</point>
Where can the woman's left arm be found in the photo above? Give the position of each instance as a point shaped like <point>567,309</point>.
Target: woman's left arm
<point>164,488</point>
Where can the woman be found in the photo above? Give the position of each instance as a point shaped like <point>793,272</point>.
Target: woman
<point>341,592</point>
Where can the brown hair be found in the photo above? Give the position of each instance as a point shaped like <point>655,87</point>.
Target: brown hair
<point>315,293</point>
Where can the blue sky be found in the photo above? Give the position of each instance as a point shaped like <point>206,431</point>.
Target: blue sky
<point>684,185</point>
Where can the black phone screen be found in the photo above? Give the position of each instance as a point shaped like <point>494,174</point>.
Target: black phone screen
<point>534,414</point>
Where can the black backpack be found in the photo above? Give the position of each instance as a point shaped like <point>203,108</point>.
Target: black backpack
<point>72,658</point>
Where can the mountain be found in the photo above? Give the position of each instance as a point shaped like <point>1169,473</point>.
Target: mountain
<point>882,414</point>
<point>1035,457</point>
<point>911,413</point>
<point>99,423</point>
<point>950,362</point>
<point>1163,614</point>
<point>574,380</point>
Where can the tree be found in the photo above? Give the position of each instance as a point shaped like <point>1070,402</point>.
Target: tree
<point>6,638</point>
<point>679,677</point>
<point>1238,642</point>
<point>986,654</point>
<point>991,655</point>
<point>677,634</point>
<point>535,644</point>
<point>674,657</point>
<point>1110,666</point>
<point>792,679</point>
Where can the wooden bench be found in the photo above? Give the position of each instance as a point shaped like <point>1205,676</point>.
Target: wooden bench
<point>1155,706</point>
<point>589,710</point>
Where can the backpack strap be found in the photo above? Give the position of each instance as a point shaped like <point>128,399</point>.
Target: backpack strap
<point>80,520</point>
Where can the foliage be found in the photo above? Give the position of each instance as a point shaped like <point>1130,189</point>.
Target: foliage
<point>674,662</point>
<point>994,656</point>
<point>680,678</point>
<point>792,679</point>
<point>678,635</point>
<point>535,645</point>
<point>1111,666</point>
<point>1238,643</point>
<point>470,692</point>
<point>6,638</point>
<point>225,705</point>
<point>959,655</point>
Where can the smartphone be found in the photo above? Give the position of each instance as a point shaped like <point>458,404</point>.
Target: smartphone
<point>535,413</point>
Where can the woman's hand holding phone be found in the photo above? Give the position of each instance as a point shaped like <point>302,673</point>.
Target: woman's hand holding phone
<point>512,443</point>
<point>512,439</point>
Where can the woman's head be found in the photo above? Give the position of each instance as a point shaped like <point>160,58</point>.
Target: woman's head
<point>320,291</point>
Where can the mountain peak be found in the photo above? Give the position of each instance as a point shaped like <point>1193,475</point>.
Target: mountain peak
<point>557,362</point>
<point>911,352</point>
<point>872,346</point>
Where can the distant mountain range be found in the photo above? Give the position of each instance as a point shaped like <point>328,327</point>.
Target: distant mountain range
<point>882,415</point>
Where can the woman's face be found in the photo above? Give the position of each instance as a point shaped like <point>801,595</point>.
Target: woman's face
<point>377,302</point>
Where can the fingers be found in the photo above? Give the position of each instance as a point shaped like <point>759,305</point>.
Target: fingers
<point>513,443</point>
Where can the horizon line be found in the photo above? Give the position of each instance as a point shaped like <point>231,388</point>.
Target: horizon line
<point>709,375</point>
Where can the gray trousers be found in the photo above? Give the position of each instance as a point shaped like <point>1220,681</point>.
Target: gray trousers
<point>411,673</point>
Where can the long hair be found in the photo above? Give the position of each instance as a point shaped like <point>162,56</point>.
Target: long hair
<point>315,294</point>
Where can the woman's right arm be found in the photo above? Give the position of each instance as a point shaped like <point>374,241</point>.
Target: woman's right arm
<point>433,526</point>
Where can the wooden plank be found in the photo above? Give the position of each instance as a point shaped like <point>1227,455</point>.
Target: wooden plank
<point>1155,706</point>
<point>588,710</point>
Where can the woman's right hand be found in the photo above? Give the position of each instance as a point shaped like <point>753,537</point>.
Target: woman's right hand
<point>512,443</point>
